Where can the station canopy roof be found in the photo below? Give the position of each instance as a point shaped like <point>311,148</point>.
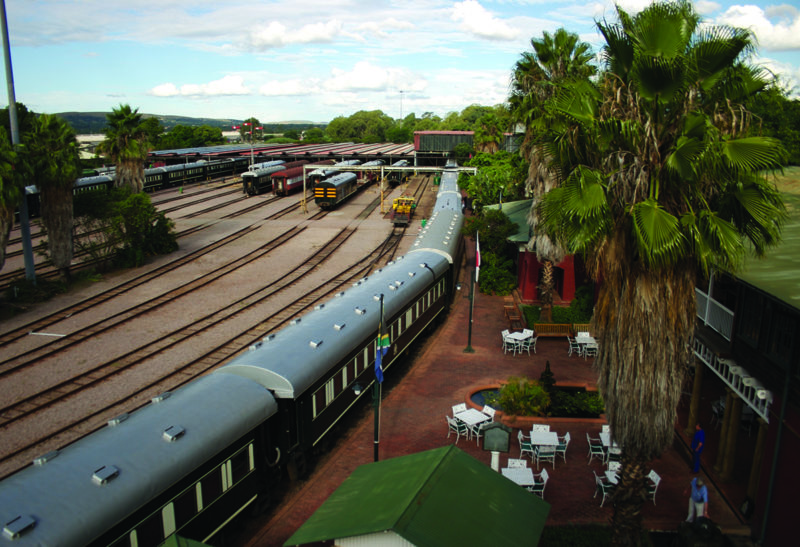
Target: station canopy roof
<point>438,498</point>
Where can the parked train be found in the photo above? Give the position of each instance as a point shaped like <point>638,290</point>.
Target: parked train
<point>330,192</point>
<point>257,179</point>
<point>394,178</point>
<point>323,173</point>
<point>290,180</point>
<point>155,178</point>
<point>192,459</point>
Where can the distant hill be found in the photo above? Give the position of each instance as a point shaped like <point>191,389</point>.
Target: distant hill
<point>95,122</point>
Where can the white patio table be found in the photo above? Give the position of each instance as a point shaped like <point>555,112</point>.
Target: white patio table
<point>544,438</point>
<point>472,417</point>
<point>523,476</point>
<point>612,477</point>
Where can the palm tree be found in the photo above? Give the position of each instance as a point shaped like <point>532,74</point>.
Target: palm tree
<point>488,134</point>
<point>10,191</point>
<point>555,61</point>
<point>52,156</point>
<point>126,145</point>
<point>660,179</point>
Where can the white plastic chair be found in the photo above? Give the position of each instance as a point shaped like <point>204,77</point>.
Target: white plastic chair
<point>563,443</point>
<point>596,449</point>
<point>457,427</point>
<point>461,407</point>
<point>509,344</point>
<point>515,463</point>
<point>540,427</point>
<point>489,411</point>
<point>525,446</point>
<point>605,428</point>
<point>545,453</point>
<point>539,482</point>
<point>602,485</point>
<point>614,466</point>
<point>590,351</point>
<point>653,485</point>
<point>574,346</point>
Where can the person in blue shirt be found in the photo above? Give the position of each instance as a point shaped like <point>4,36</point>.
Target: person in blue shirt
<point>698,443</point>
<point>698,501</point>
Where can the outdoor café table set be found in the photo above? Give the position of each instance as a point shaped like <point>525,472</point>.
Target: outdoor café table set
<point>586,342</point>
<point>516,341</point>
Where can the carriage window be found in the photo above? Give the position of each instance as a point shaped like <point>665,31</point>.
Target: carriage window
<point>241,465</point>
<point>185,507</point>
<point>151,531</point>
<point>212,486</point>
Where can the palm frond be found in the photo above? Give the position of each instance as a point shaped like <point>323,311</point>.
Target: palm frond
<point>682,159</point>
<point>753,153</point>
<point>658,235</point>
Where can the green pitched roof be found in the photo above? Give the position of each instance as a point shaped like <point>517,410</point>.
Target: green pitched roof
<point>517,212</point>
<point>416,495</point>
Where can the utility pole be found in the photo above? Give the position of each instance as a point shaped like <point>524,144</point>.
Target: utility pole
<point>24,222</point>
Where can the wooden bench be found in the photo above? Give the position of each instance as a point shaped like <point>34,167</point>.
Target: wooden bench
<point>552,330</point>
<point>513,316</point>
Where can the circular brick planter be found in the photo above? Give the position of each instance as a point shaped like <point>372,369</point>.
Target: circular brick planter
<point>526,422</point>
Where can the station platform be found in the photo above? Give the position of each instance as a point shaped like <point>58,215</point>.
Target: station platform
<point>413,414</point>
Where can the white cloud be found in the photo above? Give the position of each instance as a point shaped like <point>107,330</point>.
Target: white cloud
<point>778,29</point>
<point>704,7</point>
<point>229,85</point>
<point>382,29</point>
<point>287,88</point>
<point>476,20</point>
<point>368,77</point>
<point>276,35</point>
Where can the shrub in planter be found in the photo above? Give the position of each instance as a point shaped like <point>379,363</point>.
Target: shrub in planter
<point>521,397</point>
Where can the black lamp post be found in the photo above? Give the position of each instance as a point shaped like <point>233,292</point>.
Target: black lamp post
<point>376,404</point>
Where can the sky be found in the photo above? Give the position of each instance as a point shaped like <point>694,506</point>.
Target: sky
<point>315,60</point>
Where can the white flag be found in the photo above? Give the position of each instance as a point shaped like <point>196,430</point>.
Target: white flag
<point>477,256</point>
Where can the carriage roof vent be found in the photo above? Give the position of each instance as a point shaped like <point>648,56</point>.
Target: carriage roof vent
<point>18,526</point>
<point>339,326</point>
<point>173,433</point>
<point>161,398</point>
<point>268,338</point>
<point>411,274</point>
<point>104,474</point>
<point>315,343</point>
<point>376,297</point>
<point>360,311</point>
<point>255,346</point>
<point>44,458</point>
<point>116,420</point>
<point>295,321</point>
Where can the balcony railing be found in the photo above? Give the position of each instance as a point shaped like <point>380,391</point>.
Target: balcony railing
<point>752,392</point>
<point>714,314</point>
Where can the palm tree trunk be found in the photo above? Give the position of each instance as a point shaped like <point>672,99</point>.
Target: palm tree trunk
<point>57,218</point>
<point>628,498</point>
<point>644,318</point>
<point>6,220</point>
<point>548,287</point>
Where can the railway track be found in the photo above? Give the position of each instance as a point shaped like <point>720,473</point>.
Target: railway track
<point>210,359</point>
<point>46,271</point>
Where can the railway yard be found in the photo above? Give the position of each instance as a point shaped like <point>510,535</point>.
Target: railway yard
<point>245,267</point>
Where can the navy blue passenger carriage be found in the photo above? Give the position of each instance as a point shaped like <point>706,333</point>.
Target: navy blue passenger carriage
<point>330,192</point>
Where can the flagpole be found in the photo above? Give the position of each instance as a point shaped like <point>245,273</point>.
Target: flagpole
<point>376,389</point>
<point>474,279</point>
<point>469,348</point>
